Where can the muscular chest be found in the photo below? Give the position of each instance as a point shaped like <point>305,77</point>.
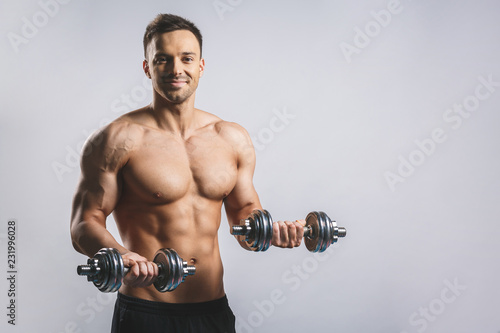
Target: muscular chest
<point>166,169</point>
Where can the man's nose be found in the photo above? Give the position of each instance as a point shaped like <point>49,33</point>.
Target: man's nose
<point>176,67</point>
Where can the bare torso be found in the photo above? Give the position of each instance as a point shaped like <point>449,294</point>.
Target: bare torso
<point>172,190</point>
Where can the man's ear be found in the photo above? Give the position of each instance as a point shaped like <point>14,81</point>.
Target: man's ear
<point>202,66</point>
<point>145,67</point>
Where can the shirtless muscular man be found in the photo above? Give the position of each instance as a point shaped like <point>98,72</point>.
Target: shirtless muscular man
<point>158,170</point>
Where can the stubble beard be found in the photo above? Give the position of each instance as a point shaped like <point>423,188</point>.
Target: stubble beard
<point>177,96</point>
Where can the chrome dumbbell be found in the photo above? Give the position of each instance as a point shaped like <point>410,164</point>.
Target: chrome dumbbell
<point>319,232</point>
<point>106,270</point>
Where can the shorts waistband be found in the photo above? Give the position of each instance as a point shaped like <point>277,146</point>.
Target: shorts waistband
<point>138,304</point>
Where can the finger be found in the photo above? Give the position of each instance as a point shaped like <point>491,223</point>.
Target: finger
<point>292,234</point>
<point>127,262</point>
<point>152,269</point>
<point>283,233</point>
<point>300,231</point>
<point>146,271</point>
<point>132,274</point>
<point>137,276</point>
<point>140,274</point>
<point>276,234</point>
<point>156,270</point>
<point>146,274</point>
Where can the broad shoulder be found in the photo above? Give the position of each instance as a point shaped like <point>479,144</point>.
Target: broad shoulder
<point>110,146</point>
<point>238,138</point>
<point>232,132</point>
<point>121,133</point>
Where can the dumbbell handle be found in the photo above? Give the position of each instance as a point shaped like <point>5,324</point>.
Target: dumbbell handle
<point>339,231</point>
<point>245,229</point>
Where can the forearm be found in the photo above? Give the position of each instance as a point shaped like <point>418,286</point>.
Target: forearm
<point>88,237</point>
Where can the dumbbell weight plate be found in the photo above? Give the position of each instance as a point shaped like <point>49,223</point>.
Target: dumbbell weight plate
<point>120,269</point>
<point>328,231</point>
<point>261,237</point>
<point>101,279</point>
<point>268,237</point>
<point>253,239</point>
<point>116,264</point>
<point>170,267</point>
<point>265,223</point>
<point>315,240</point>
<point>109,278</point>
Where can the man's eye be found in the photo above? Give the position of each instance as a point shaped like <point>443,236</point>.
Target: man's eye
<point>188,59</point>
<point>161,60</point>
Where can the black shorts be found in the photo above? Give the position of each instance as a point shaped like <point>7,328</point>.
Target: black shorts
<point>135,315</point>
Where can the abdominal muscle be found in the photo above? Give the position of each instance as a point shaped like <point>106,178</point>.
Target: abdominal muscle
<point>188,228</point>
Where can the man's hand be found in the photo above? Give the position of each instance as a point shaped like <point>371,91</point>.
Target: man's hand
<point>288,234</point>
<point>142,272</point>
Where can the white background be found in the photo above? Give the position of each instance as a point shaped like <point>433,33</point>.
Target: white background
<point>352,120</point>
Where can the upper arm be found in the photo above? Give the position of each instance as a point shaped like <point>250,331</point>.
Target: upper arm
<point>243,198</point>
<point>98,191</point>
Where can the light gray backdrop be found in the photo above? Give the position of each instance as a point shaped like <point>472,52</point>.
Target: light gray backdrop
<point>384,114</point>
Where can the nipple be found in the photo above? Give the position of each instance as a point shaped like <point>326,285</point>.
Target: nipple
<point>157,195</point>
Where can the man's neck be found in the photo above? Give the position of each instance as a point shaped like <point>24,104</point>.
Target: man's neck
<point>178,118</point>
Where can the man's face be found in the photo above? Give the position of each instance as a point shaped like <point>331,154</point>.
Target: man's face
<point>174,65</point>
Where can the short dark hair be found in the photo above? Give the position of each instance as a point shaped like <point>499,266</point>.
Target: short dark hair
<point>167,23</point>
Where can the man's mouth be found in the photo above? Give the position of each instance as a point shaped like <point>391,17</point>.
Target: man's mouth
<point>176,83</point>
